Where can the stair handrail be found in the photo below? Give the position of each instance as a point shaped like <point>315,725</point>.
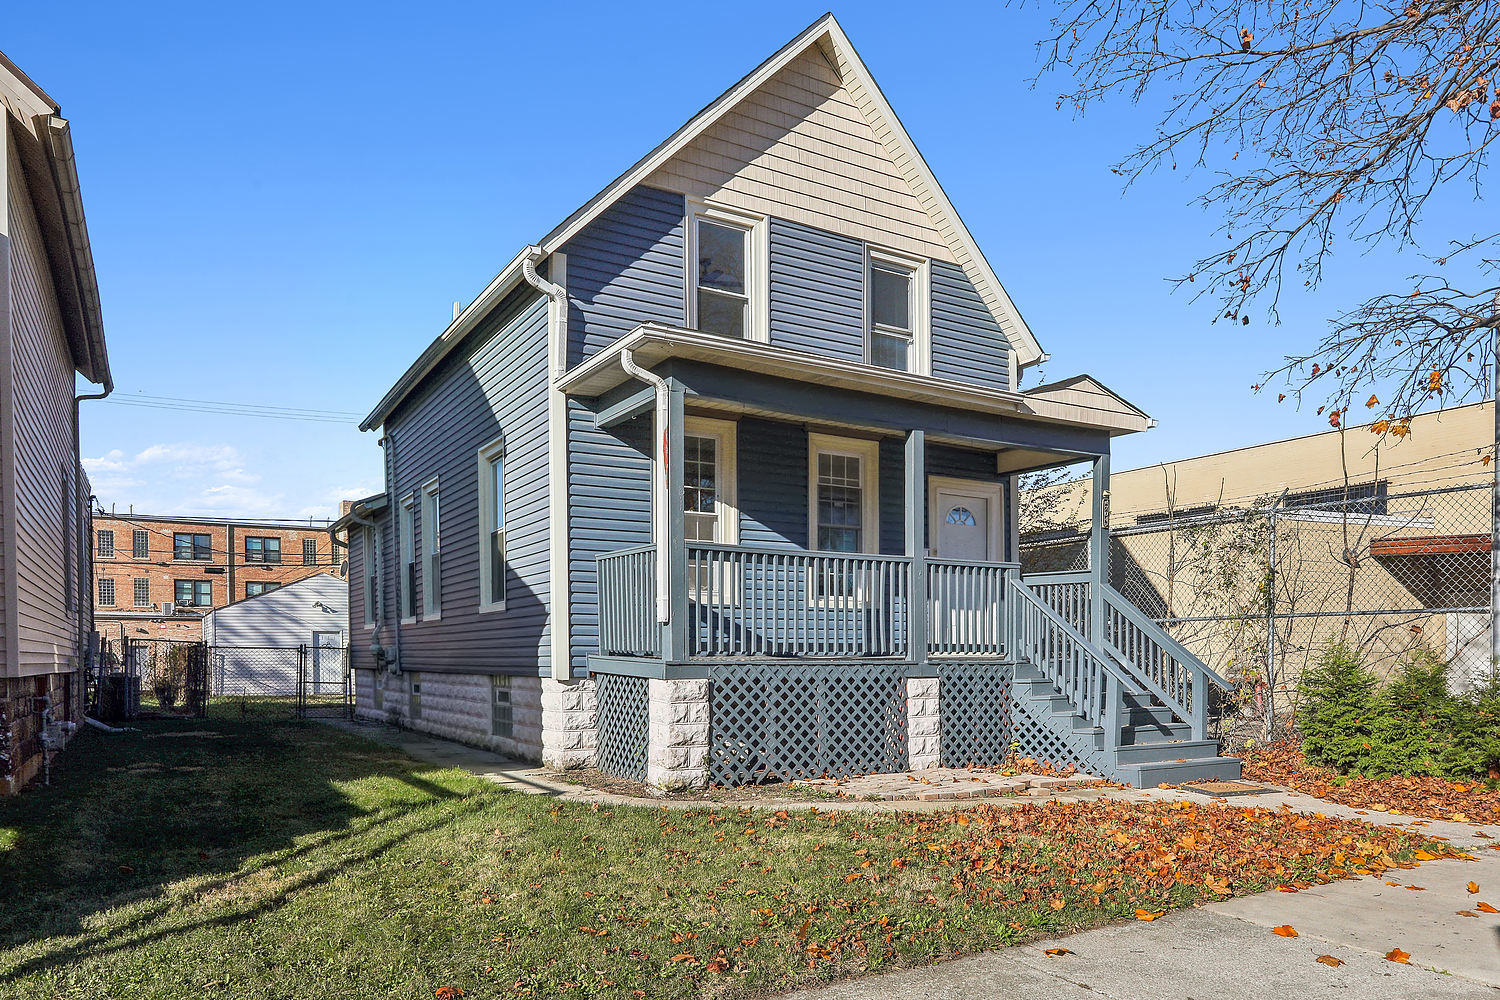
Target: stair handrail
<point>1112,704</point>
<point>1202,675</point>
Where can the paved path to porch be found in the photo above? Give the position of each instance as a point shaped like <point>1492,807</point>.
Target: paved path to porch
<point>1219,950</point>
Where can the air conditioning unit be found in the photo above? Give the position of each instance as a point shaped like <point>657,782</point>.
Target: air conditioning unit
<point>168,609</point>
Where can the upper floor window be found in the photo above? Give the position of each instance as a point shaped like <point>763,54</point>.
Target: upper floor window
<point>309,552</point>
<point>107,593</point>
<point>266,550</point>
<point>492,526</point>
<point>140,543</point>
<point>726,273</point>
<point>186,545</point>
<point>193,593</point>
<point>255,588</point>
<point>106,543</point>
<point>432,542</point>
<point>896,311</point>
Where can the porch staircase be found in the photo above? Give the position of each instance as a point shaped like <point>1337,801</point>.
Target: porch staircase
<point>1125,702</point>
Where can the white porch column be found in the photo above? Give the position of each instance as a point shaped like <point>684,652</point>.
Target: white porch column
<point>923,723</point>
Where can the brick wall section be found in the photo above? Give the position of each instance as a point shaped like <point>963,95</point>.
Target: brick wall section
<point>162,570</point>
<point>677,755</point>
<point>923,725</point>
<point>21,723</point>
<point>456,707</point>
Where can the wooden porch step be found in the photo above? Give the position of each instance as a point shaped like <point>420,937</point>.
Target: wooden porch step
<point>1174,772</point>
<point>1159,753</point>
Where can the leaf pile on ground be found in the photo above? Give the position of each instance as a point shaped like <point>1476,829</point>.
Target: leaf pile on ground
<point>1433,798</point>
<point>261,858</point>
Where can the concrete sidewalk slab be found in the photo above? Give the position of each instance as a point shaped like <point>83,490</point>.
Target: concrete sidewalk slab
<point>1192,954</point>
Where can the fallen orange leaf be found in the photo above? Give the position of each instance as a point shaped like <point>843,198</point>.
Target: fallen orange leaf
<point>1330,961</point>
<point>1285,930</point>
<point>1397,955</point>
<point>1467,913</point>
<point>1473,886</point>
<point>1149,914</point>
<point>1486,908</point>
<point>1057,952</point>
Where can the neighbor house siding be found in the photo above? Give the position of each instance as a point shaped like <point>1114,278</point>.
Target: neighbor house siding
<point>496,387</point>
<point>609,508</point>
<point>817,284</point>
<point>967,343</point>
<point>359,636</point>
<point>45,507</point>
<point>284,618</point>
<point>626,268</point>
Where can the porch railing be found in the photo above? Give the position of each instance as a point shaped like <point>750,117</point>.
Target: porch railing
<point>627,602</point>
<point>1155,660</point>
<point>746,602</point>
<point>965,602</point>
<point>1064,655</point>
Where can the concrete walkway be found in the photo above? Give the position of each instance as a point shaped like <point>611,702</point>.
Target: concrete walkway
<point>1219,950</point>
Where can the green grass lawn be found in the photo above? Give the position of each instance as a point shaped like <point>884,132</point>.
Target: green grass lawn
<point>265,857</point>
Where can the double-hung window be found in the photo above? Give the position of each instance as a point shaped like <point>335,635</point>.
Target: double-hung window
<point>106,544</point>
<point>843,488</point>
<point>193,593</point>
<point>726,273</point>
<point>186,545</point>
<point>407,540</point>
<point>896,311</point>
<point>710,512</point>
<point>492,526</point>
<point>262,550</point>
<point>432,546</point>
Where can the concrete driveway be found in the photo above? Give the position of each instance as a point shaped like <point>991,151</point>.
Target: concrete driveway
<point>1226,951</point>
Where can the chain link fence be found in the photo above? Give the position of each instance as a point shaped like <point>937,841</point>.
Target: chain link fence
<point>1261,591</point>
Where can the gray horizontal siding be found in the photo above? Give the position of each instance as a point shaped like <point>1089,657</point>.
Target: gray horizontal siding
<point>817,291</point>
<point>284,618</point>
<point>624,269</point>
<point>967,343</point>
<point>495,386</point>
<point>772,483</point>
<point>609,508</point>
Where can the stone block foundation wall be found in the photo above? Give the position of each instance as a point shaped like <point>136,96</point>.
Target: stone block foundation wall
<point>21,723</point>
<point>923,732</point>
<point>677,753</point>
<point>455,707</point>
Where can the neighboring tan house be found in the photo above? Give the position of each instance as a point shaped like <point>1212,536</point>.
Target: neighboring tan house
<point>50,330</point>
<point>1380,540</point>
<point>715,482</point>
<point>252,641</point>
<point>155,577</point>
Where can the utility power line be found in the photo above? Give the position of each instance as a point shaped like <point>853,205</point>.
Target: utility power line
<point>232,409</point>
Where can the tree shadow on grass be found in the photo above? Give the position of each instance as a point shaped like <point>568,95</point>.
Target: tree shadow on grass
<point>236,812</point>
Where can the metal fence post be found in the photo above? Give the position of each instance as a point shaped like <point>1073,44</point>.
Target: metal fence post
<point>1270,712</point>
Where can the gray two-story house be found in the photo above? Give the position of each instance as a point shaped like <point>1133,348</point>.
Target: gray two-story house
<point>716,482</point>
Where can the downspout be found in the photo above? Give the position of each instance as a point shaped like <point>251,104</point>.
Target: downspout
<point>659,496</point>
<point>559,540</point>
<point>388,444</point>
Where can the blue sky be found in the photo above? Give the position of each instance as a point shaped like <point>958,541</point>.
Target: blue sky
<point>285,200</point>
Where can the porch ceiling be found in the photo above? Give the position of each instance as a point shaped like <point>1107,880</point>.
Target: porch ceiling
<point>1078,403</point>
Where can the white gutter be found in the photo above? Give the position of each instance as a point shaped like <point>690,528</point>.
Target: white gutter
<point>659,498</point>
<point>558,535</point>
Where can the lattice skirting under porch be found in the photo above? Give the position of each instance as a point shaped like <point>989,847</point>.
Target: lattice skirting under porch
<point>624,718</point>
<point>782,721</point>
<point>975,718</point>
<point>1049,742</point>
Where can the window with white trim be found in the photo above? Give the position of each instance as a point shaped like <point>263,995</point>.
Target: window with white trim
<point>843,490</point>
<point>710,512</point>
<point>492,526</point>
<point>432,547</point>
<point>406,540</point>
<point>726,273</point>
<point>896,311</point>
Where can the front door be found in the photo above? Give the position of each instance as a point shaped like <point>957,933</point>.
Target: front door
<point>965,519</point>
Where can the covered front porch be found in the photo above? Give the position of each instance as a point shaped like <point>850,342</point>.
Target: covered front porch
<point>829,583</point>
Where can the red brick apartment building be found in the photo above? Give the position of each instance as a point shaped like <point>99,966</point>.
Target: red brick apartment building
<point>156,577</point>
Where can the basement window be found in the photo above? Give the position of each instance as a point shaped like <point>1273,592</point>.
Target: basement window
<point>502,723</point>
